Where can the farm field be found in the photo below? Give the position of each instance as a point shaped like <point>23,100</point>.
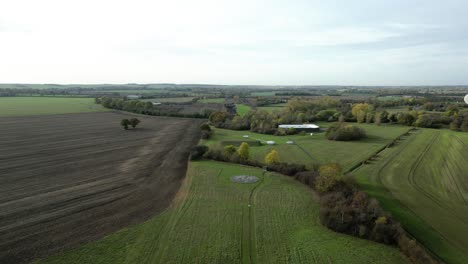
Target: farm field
<point>212,100</point>
<point>170,99</point>
<point>69,179</point>
<point>308,149</point>
<point>242,109</point>
<point>22,106</point>
<point>210,222</point>
<point>423,181</point>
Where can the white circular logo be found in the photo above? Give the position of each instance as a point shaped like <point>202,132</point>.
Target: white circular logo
<point>466,98</point>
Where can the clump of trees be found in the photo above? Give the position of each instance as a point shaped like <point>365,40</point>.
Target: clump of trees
<point>344,132</point>
<point>147,108</point>
<point>362,112</point>
<point>129,122</point>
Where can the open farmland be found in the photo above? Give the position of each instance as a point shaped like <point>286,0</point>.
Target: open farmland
<point>210,222</point>
<point>307,149</point>
<point>423,181</point>
<point>242,109</point>
<point>212,100</point>
<point>68,179</point>
<point>37,105</point>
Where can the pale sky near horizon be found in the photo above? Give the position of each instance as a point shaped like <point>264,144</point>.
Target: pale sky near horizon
<point>366,42</point>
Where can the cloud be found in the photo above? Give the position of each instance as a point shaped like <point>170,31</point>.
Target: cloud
<point>258,42</point>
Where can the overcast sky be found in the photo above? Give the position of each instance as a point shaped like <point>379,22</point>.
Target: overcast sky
<point>365,42</point>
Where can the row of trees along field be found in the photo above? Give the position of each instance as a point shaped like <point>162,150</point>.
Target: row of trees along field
<point>147,108</point>
<point>328,109</point>
<point>343,207</point>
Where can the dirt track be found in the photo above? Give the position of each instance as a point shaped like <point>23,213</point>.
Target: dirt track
<point>69,179</point>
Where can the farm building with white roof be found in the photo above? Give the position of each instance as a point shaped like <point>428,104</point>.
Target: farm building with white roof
<point>303,127</point>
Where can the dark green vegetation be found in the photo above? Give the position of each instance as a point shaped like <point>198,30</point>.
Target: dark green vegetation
<point>344,132</point>
<point>211,222</point>
<point>423,182</point>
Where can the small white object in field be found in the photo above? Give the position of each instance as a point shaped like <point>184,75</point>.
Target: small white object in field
<point>249,205</point>
<point>466,98</point>
<point>311,134</point>
<point>246,136</point>
<point>290,142</point>
<point>270,142</point>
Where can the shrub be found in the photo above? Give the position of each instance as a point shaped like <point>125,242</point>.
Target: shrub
<point>134,122</point>
<point>124,123</point>
<point>197,152</point>
<point>229,150</point>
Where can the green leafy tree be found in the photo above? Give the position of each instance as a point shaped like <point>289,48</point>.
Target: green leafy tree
<point>360,111</point>
<point>124,123</point>
<point>329,175</point>
<point>134,122</point>
<point>244,151</point>
<point>272,157</point>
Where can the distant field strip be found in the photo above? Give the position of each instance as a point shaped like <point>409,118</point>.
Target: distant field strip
<point>426,174</point>
<point>211,222</point>
<point>24,106</point>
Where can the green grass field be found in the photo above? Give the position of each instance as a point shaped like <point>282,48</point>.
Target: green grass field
<point>242,109</point>
<point>308,149</point>
<point>211,222</point>
<point>21,106</point>
<point>423,181</point>
<point>212,100</point>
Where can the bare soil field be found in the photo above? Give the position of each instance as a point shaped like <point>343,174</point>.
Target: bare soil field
<point>69,179</point>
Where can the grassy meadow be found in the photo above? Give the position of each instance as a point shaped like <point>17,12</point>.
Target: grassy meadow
<point>423,182</point>
<point>23,106</point>
<point>210,221</point>
<point>316,148</point>
<point>242,109</point>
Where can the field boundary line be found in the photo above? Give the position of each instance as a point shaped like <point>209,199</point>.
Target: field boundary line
<point>361,163</point>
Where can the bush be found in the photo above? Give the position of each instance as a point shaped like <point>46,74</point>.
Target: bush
<point>289,169</point>
<point>344,132</point>
<point>197,152</point>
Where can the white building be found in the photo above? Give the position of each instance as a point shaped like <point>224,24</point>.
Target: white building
<point>303,127</point>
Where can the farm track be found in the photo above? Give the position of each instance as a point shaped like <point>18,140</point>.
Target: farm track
<point>69,179</point>
<point>251,224</point>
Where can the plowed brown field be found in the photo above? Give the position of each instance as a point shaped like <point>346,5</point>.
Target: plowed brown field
<point>68,179</point>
